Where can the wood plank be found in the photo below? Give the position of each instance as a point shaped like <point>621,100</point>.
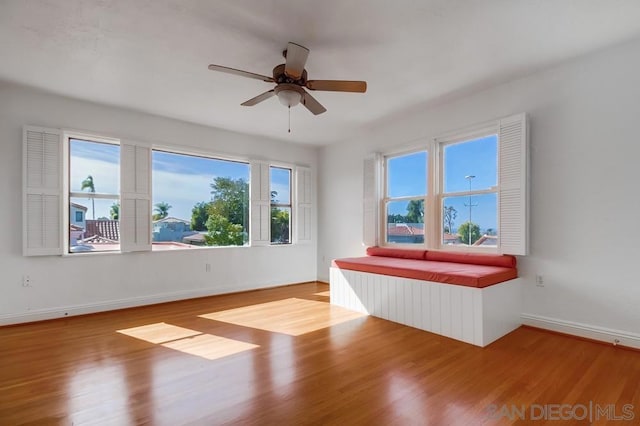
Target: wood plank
<point>364,370</point>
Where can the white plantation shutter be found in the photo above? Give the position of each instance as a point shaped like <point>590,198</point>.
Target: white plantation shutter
<point>42,191</point>
<point>135,199</point>
<point>304,203</point>
<point>370,200</point>
<point>260,204</point>
<point>513,198</point>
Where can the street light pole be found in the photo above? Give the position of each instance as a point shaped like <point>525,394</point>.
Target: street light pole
<point>470,205</point>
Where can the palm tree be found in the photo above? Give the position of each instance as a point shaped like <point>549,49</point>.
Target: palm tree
<point>88,184</point>
<point>162,210</point>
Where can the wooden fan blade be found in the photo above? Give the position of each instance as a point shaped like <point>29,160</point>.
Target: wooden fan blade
<point>241,73</point>
<point>338,85</point>
<point>259,98</point>
<point>296,59</point>
<point>312,104</point>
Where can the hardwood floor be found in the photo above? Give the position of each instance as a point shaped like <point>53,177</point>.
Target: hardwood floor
<point>285,356</point>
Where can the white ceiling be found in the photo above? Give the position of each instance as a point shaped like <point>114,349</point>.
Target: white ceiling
<point>152,55</point>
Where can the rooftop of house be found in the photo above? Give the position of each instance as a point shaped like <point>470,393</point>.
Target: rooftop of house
<point>106,228</point>
<point>171,219</point>
<point>79,207</point>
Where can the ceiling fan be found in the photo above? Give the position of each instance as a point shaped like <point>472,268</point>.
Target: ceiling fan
<point>291,80</point>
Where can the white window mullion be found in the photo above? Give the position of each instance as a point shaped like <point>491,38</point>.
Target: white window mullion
<point>433,199</point>
<point>43,232</point>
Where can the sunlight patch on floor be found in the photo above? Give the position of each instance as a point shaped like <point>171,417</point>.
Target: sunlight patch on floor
<point>188,341</point>
<point>322,293</point>
<point>209,346</point>
<point>159,332</point>
<point>289,316</point>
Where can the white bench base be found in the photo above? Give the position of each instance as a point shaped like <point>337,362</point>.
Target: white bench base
<point>474,315</point>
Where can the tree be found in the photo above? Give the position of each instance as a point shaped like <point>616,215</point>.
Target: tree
<point>449,214</point>
<point>396,218</point>
<point>200,215</point>
<point>88,184</point>
<point>415,211</point>
<point>162,210</point>
<point>228,221</point>
<point>222,232</point>
<point>114,211</point>
<point>465,229</point>
<point>279,222</point>
<point>279,226</point>
<point>230,199</point>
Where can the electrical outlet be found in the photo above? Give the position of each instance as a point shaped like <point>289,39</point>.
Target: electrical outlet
<point>207,267</point>
<point>26,281</point>
<point>539,280</point>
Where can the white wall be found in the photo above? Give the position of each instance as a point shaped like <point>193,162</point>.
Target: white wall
<point>585,208</point>
<point>83,283</point>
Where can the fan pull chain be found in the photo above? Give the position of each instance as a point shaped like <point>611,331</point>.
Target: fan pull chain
<point>289,118</point>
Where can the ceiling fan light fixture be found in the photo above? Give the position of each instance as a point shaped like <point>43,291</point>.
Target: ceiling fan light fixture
<point>289,98</point>
<point>289,95</point>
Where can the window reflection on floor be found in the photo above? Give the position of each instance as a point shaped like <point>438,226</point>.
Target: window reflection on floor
<point>289,316</point>
<point>188,341</point>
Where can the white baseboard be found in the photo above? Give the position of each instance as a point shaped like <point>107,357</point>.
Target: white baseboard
<point>602,334</point>
<point>91,308</point>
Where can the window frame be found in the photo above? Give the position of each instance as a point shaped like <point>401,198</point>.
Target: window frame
<point>385,199</point>
<point>440,145</point>
<point>291,170</point>
<point>209,156</point>
<point>434,199</point>
<point>136,189</point>
<point>67,194</point>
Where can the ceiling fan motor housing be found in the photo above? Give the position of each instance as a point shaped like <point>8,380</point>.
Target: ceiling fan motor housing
<point>280,77</point>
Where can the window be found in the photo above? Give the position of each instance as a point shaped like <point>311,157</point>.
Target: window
<point>280,191</point>
<point>94,196</point>
<point>470,192</point>
<point>405,198</point>
<point>199,201</point>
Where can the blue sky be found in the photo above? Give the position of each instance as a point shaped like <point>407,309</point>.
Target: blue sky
<point>408,174</point>
<point>179,180</point>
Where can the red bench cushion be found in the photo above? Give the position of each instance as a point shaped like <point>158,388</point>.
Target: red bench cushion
<point>394,252</point>
<point>503,260</point>
<point>469,275</point>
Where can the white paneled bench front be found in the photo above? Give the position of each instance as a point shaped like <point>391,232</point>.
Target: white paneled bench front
<point>474,298</point>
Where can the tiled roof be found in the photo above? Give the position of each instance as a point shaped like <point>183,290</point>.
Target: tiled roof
<point>487,240</point>
<point>398,229</point>
<point>106,228</point>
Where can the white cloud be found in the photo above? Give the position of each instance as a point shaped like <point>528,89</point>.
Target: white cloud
<point>106,176</point>
<point>181,191</point>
